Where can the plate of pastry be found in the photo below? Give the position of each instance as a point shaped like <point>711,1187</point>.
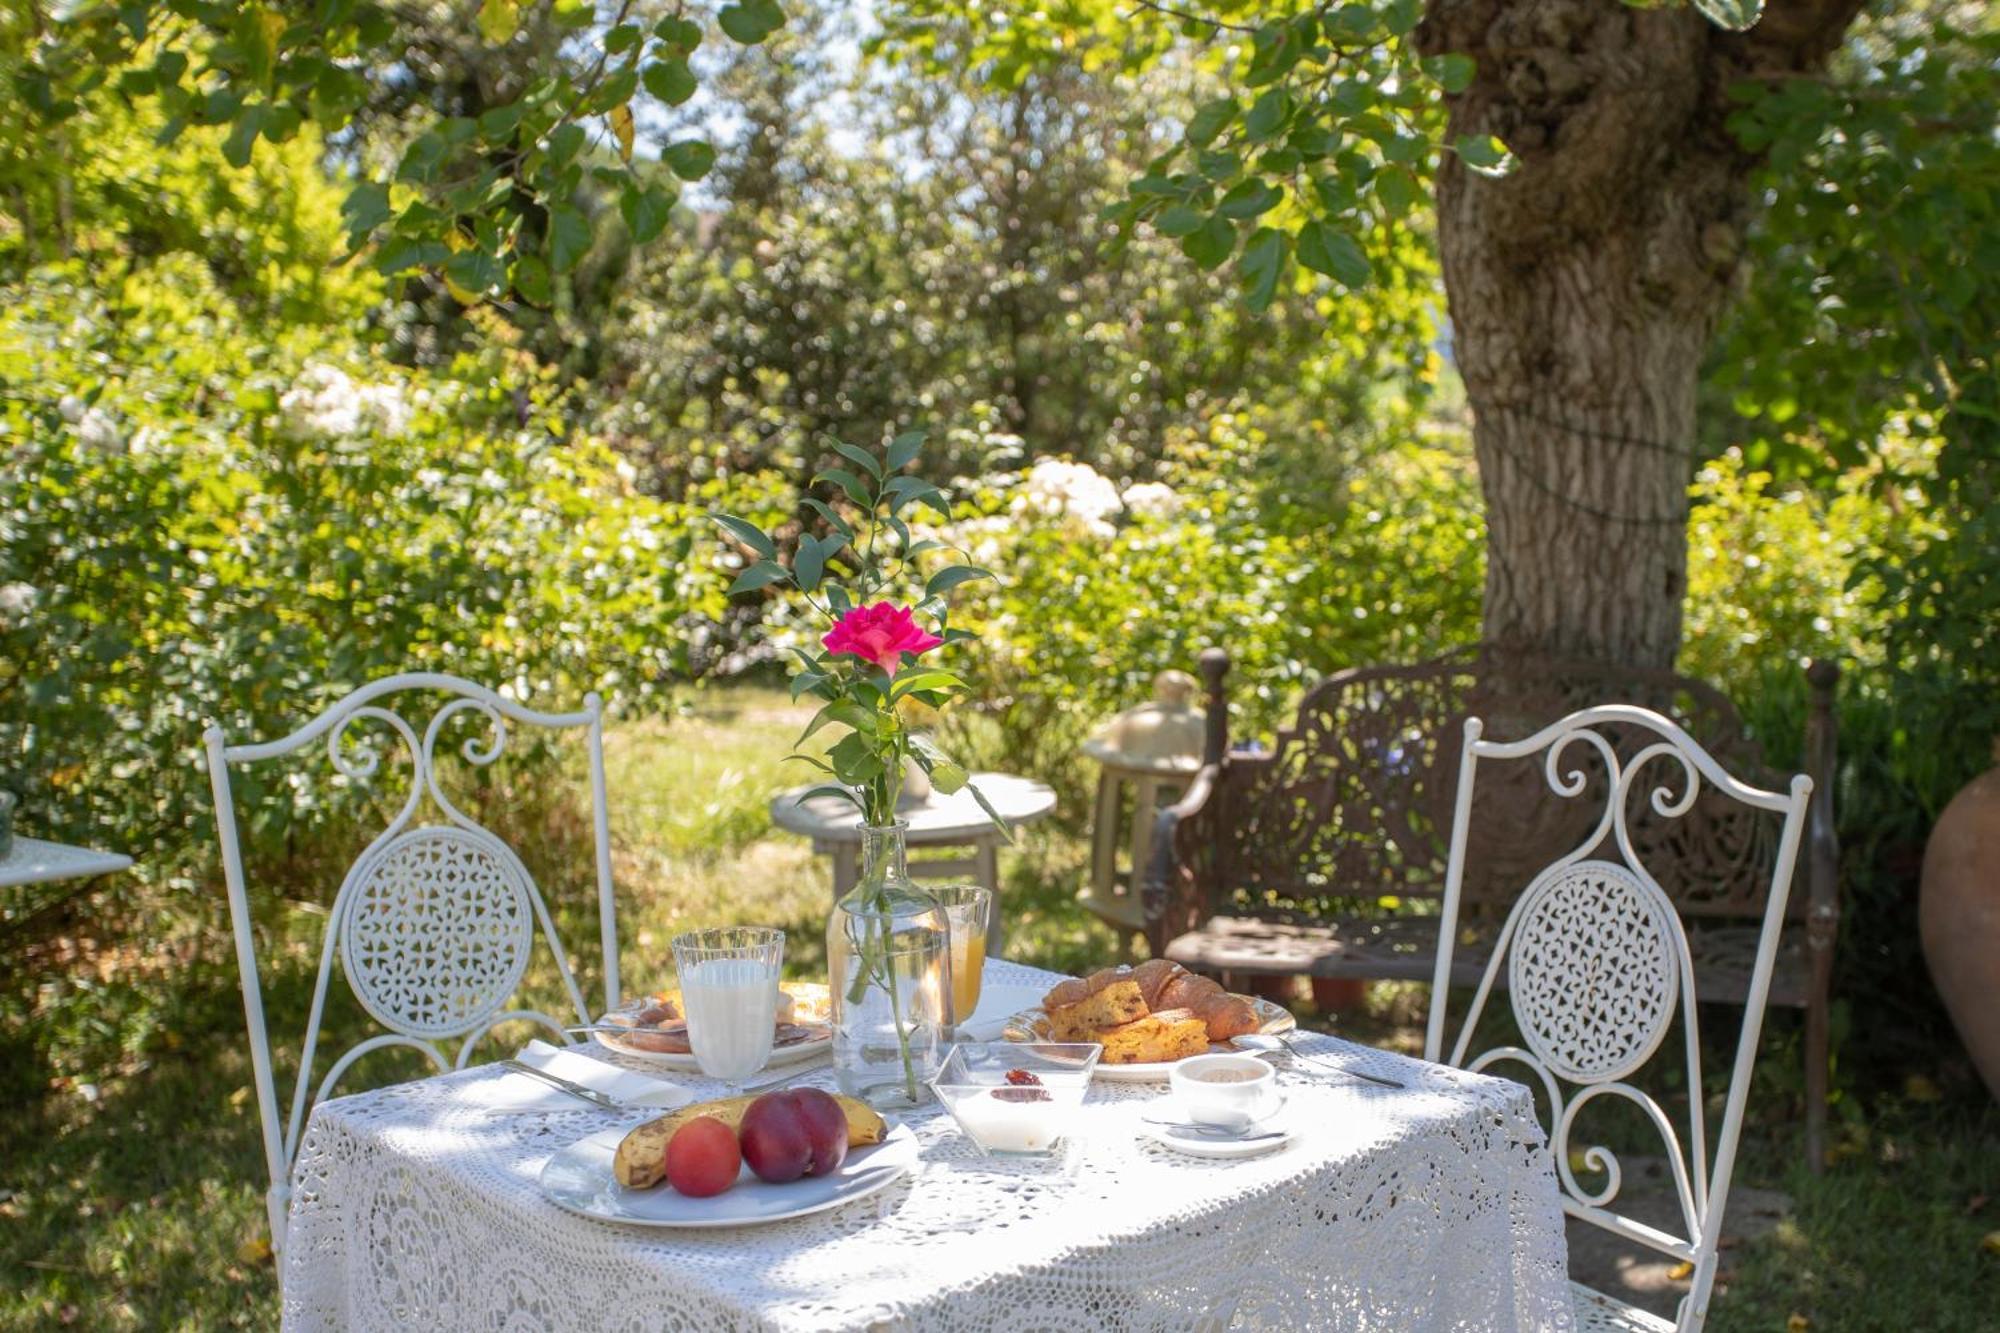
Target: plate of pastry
<point>1147,1018</point>
<point>653,1027</point>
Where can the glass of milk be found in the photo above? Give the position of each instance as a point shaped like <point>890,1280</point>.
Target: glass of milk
<point>729,989</point>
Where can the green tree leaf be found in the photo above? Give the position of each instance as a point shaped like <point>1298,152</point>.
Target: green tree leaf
<point>646,209</point>
<point>1485,154</point>
<point>498,20</point>
<point>1209,122</point>
<point>1211,243</point>
<point>1252,198</point>
<point>669,80</point>
<point>1397,188</point>
<point>1178,220</point>
<point>1325,249</point>
<point>1734,15</point>
<point>365,208</point>
<point>1453,70</point>
<point>751,21</point>
<point>569,237</point>
<point>1262,263</point>
<point>689,159</point>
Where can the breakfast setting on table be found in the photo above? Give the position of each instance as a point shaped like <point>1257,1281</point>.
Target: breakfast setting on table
<point>911,1131</point>
<point>1137,1142</point>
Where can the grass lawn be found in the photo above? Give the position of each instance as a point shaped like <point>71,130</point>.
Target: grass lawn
<point>131,1172</point>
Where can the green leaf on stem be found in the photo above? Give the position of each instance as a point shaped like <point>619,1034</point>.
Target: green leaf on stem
<point>860,457</point>
<point>831,789</point>
<point>840,710</point>
<point>762,574</point>
<point>831,515</point>
<point>951,576</point>
<point>903,450</point>
<point>1006,831</point>
<point>752,536</point>
<point>927,679</point>
<point>856,758</point>
<point>946,774</point>
<point>848,482</point>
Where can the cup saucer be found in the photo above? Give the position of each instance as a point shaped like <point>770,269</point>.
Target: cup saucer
<point>1267,1133</point>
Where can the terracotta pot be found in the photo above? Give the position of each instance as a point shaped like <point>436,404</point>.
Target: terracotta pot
<point>1339,995</point>
<point>1959,914</point>
<point>1276,989</point>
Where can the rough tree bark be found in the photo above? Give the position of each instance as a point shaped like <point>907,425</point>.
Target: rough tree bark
<point>1583,289</point>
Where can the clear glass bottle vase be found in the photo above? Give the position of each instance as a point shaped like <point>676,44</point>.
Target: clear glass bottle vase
<point>888,951</point>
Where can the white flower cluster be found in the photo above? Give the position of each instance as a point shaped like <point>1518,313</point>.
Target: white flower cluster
<point>327,404</point>
<point>17,602</point>
<point>96,429</point>
<point>1152,499</point>
<point>1055,488</point>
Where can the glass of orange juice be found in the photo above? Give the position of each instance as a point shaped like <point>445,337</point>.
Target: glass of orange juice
<point>967,907</point>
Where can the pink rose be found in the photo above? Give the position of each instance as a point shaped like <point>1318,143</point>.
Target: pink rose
<point>881,634</point>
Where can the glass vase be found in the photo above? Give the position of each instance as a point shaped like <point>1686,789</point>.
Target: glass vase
<point>888,951</point>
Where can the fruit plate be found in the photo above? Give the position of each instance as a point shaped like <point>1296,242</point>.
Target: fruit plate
<point>807,1036</point>
<point>1032,1025</point>
<point>579,1178</point>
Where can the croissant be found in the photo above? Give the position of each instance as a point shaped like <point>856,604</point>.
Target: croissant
<point>1167,985</point>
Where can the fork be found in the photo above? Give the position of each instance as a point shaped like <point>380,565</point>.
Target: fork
<point>1256,1041</point>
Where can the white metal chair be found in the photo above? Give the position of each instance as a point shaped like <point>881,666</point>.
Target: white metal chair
<point>1597,966</point>
<point>435,922</point>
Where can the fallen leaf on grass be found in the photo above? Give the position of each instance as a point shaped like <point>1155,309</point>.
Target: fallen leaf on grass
<point>1797,1323</point>
<point>256,1250</point>
<point>1990,1242</point>
<point>1681,1271</point>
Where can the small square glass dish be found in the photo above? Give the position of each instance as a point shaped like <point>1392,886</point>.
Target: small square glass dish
<point>1016,1099</point>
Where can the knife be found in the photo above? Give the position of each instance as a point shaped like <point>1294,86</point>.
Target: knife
<point>591,1095</point>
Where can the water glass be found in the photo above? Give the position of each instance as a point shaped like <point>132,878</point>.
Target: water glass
<point>968,908</point>
<point>729,989</point>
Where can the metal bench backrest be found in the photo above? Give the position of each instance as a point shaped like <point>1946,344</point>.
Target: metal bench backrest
<point>1354,799</point>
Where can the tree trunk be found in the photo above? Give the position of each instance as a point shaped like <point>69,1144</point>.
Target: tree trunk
<point>1584,286</point>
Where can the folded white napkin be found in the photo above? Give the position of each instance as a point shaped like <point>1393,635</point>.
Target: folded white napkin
<point>997,1004</point>
<point>521,1092</point>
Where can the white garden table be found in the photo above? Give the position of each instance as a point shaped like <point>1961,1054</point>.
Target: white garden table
<point>1430,1208</point>
<point>36,861</point>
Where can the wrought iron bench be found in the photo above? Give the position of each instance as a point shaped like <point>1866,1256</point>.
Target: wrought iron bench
<point>1325,855</point>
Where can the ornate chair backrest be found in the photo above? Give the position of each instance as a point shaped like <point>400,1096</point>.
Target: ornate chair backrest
<point>1598,964</point>
<point>434,922</point>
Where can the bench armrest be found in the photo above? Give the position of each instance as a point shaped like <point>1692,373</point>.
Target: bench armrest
<point>1163,873</point>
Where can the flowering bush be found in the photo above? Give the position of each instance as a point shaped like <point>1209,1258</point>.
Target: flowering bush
<point>209,511</point>
<point>1101,590</point>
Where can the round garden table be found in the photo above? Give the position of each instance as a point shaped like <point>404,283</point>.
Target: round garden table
<point>1426,1209</point>
<point>937,821</point>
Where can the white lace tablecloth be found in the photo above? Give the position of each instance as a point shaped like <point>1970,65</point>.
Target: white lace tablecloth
<point>1433,1208</point>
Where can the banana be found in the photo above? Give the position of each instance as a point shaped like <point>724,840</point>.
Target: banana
<point>641,1162</point>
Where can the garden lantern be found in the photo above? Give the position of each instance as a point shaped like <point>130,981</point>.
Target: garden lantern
<point>1147,754</point>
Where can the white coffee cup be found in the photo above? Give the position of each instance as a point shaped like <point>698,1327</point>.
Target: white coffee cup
<point>1224,1091</point>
